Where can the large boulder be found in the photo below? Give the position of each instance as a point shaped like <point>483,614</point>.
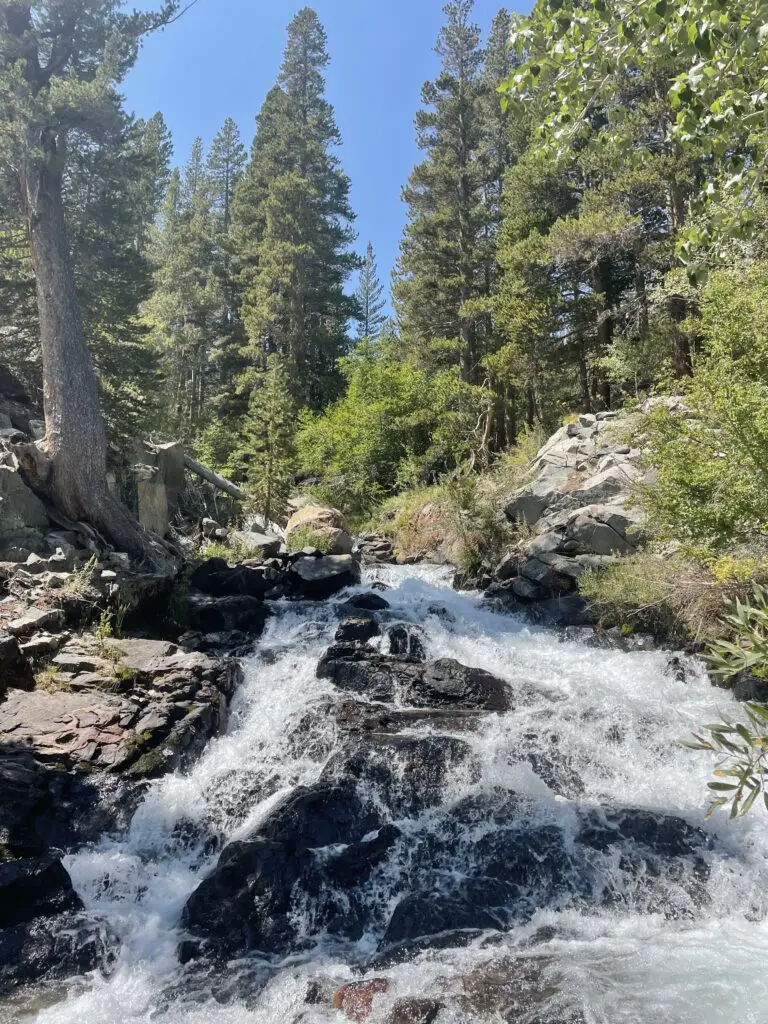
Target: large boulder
<point>439,684</point>
<point>19,508</point>
<point>31,888</point>
<point>318,578</point>
<point>321,527</point>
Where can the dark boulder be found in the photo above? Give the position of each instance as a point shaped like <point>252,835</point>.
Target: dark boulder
<point>406,773</point>
<point>407,641</point>
<point>367,672</point>
<point>31,888</point>
<point>357,630</point>
<point>355,862</point>
<point>439,684</point>
<point>218,579</point>
<point>659,834</point>
<point>319,578</point>
<point>433,913</point>
<point>245,902</point>
<point>321,815</point>
<point>53,949</point>
<point>220,614</point>
<point>368,602</point>
<point>447,683</point>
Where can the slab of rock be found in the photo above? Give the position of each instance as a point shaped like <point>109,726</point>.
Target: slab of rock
<point>36,620</point>
<point>259,545</point>
<point>444,683</point>
<point>94,724</point>
<point>319,578</point>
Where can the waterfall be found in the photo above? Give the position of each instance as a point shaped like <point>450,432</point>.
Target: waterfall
<point>599,936</point>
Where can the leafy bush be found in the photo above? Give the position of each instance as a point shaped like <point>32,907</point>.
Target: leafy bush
<point>396,426</point>
<point>712,466</point>
<point>742,758</point>
<point>748,651</point>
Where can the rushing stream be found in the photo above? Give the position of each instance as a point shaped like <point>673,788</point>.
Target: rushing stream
<point>613,719</point>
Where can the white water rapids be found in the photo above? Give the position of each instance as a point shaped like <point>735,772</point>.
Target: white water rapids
<point>617,715</point>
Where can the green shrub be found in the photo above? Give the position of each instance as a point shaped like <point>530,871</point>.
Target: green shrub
<point>712,466</point>
<point>398,425</point>
<point>306,537</point>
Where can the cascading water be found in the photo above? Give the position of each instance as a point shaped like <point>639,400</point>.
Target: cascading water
<point>589,729</point>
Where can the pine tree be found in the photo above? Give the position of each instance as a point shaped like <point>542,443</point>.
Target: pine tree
<point>269,450</point>
<point>225,168</point>
<point>369,297</point>
<point>185,310</point>
<point>439,271</point>
<point>291,225</point>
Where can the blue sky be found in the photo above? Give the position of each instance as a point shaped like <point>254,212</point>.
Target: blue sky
<point>223,56</point>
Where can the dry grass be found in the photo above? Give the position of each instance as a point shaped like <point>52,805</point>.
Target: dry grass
<point>675,597</point>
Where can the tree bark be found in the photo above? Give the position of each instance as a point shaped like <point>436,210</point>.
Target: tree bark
<point>72,467</point>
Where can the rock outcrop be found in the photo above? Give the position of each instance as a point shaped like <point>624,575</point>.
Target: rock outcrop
<point>579,509</point>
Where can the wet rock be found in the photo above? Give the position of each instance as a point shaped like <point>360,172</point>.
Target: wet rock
<point>319,578</point>
<point>245,902</point>
<point>321,815</point>
<point>663,835</point>
<point>356,998</point>
<point>414,1011</point>
<point>354,864</point>
<point>31,888</point>
<point>378,676</point>
<point>356,630</point>
<point>15,670</point>
<point>430,914</point>
<point>518,989</point>
<point>368,602</point>
<point>447,683</point>
<point>214,615</point>
<point>407,641</point>
<point>53,949</point>
<point>407,774</point>
<point>444,683</point>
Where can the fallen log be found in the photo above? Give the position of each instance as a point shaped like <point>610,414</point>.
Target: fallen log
<point>218,481</point>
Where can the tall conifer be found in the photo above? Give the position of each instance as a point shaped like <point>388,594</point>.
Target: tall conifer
<point>291,224</point>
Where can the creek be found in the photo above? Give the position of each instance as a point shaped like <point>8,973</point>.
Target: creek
<point>567,841</point>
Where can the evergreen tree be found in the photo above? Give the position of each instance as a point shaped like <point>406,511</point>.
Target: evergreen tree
<point>291,224</point>
<point>439,272</point>
<point>269,449</point>
<point>369,297</point>
<point>225,168</point>
<point>185,310</point>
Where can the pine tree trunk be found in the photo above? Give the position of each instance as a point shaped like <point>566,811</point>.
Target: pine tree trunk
<point>71,467</point>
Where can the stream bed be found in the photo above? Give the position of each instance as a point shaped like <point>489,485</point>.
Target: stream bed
<point>561,842</point>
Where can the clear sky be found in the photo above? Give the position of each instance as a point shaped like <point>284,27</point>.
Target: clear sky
<point>223,56</point>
